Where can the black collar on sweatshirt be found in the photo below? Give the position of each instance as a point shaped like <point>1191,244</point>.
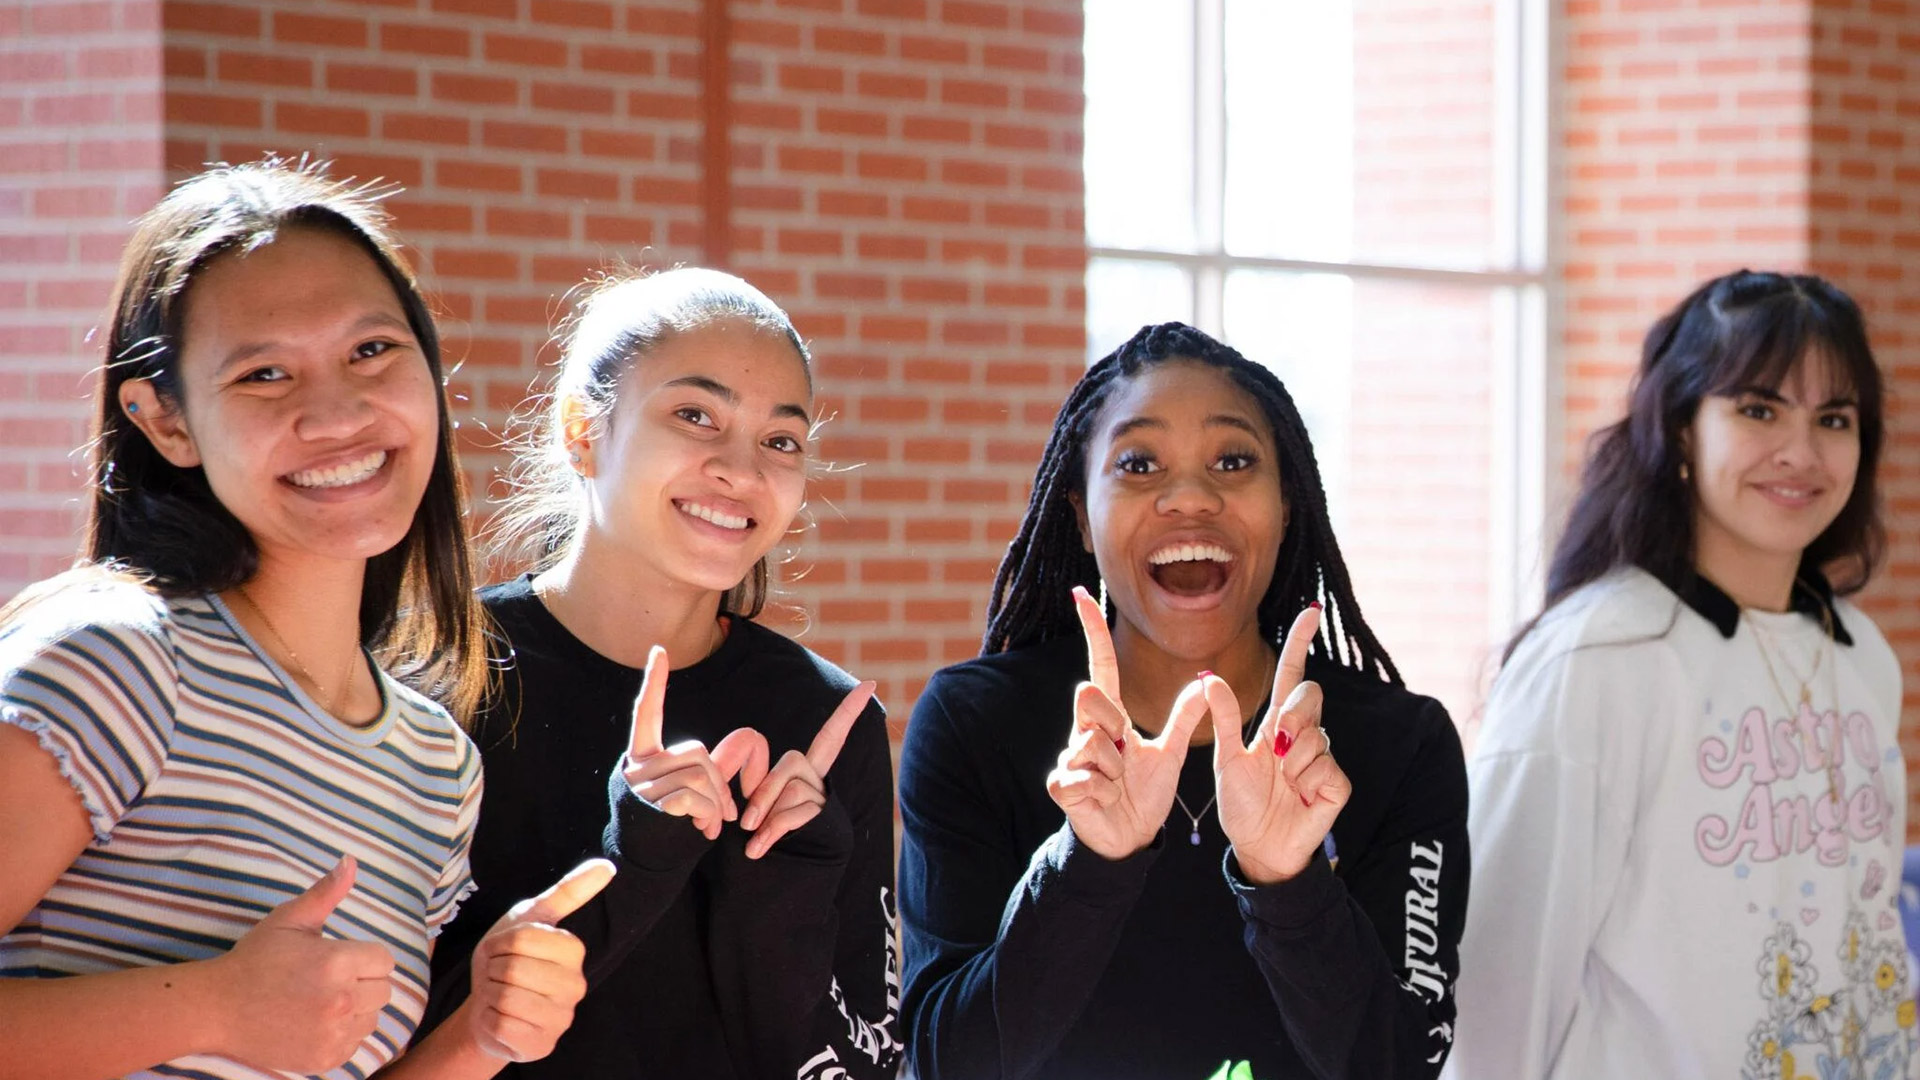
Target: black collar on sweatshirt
<point>1811,596</point>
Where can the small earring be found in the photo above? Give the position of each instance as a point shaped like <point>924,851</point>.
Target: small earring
<point>133,408</point>
<point>575,457</point>
<point>1686,474</point>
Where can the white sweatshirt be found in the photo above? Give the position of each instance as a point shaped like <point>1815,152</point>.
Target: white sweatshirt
<point>1663,883</point>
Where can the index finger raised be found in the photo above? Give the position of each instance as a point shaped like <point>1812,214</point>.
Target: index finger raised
<point>648,707</point>
<point>1103,669</point>
<point>833,734</point>
<point>1291,671</point>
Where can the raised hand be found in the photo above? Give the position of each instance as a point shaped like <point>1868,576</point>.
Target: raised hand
<point>684,779</point>
<point>789,796</point>
<point>526,971</point>
<point>301,1002</point>
<point>1280,792</point>
<point>1115,786</point>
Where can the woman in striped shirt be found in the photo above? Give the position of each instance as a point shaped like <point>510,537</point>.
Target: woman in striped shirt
<point>228,837</point>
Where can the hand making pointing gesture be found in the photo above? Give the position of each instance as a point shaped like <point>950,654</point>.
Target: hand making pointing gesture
<point>684,779</point>
<point>1115,786</point>
<point>793,793</point>
<point>687,781</point>
<point>1280,792</point>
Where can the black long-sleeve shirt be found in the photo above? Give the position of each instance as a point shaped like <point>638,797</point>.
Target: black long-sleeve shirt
<point>700,961</point>
<point>1030,955</point>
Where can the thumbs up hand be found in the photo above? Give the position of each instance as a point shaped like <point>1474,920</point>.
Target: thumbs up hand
<point>299,1001</point>
<point>526,972</point>
<point>684,779</point>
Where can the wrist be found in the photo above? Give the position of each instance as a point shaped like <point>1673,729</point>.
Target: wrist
<point>1258,872</point>
<point>205,1007</point>
<point>1111,851</point>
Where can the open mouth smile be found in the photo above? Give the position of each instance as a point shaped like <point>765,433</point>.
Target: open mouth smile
<point>1191,569</point>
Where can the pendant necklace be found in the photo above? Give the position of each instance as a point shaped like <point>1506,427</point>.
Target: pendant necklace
<point>1194,839</point>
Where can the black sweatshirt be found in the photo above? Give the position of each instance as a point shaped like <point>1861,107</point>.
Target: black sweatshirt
<point>1030,955</point>
<point>700,962</point>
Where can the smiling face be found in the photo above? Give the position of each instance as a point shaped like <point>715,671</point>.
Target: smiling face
<point>305,397</point>
<point>700,467</point>
<point>1772,468</point>
<point>1183,508</point>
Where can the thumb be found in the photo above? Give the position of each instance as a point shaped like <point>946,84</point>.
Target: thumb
<point>1188,710</point>
<point>566,896</point>
<point>309,910</point>
<point>1227,722</point>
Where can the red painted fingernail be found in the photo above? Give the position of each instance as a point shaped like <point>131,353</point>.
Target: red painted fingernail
<point>1120,745</point>
<point>1304,801</point>
<point>1282,742</point>
<point>1204,674</point>
<point>1315,605</point>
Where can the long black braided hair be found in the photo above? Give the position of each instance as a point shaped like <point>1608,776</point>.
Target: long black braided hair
<point>1032,599</point>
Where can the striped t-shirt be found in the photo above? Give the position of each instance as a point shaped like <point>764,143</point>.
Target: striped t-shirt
<point>218,790</point>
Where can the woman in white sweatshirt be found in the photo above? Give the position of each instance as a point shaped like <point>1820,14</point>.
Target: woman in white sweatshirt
<point>1688,800</point>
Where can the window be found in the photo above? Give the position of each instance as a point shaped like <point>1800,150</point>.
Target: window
<point>1352,193</point>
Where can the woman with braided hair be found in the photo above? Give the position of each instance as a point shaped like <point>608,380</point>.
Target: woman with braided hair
<point>1075,922</point>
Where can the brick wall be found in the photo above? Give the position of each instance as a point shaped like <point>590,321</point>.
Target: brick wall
<point>79,155</point>
<point>908,176</point>
<point>1865,163</point>
<point>904,177</point>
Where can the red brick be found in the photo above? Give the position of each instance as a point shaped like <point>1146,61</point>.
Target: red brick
<point>527,49</point>
<point>458,175</point>
<point>617,59</point>
<point>877,166</point>
<point>263,69</point>
<point>573,97</point>
<point>831,39</point>
<point>474,89</point>
<point>881,85</point>
<point>811,160</point>
<point>372,79</point>
<point>991,95</point>
<point>320,119</point>
<point>617,229</point>
<point>850,122</point>
<point>301,29</point>
<point>425,39</point>
<point>213,110</point>
<point>492,9</point>
<point>577,184</point>
<point>632,145</point>
<point>426,127</point>
<point>484,265</point>
<point>585,14</point>
<point>225,20</point>
<point>934,49</point>
<point>937,129</point>
<point>659,106</point>
<point>812,77</point>
<point>506,135</point>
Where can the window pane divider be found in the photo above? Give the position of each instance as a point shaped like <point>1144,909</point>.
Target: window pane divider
<point>1220,262</point>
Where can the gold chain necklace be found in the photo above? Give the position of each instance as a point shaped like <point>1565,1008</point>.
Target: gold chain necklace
<point>1764,642</point>
<point>329,705</point>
